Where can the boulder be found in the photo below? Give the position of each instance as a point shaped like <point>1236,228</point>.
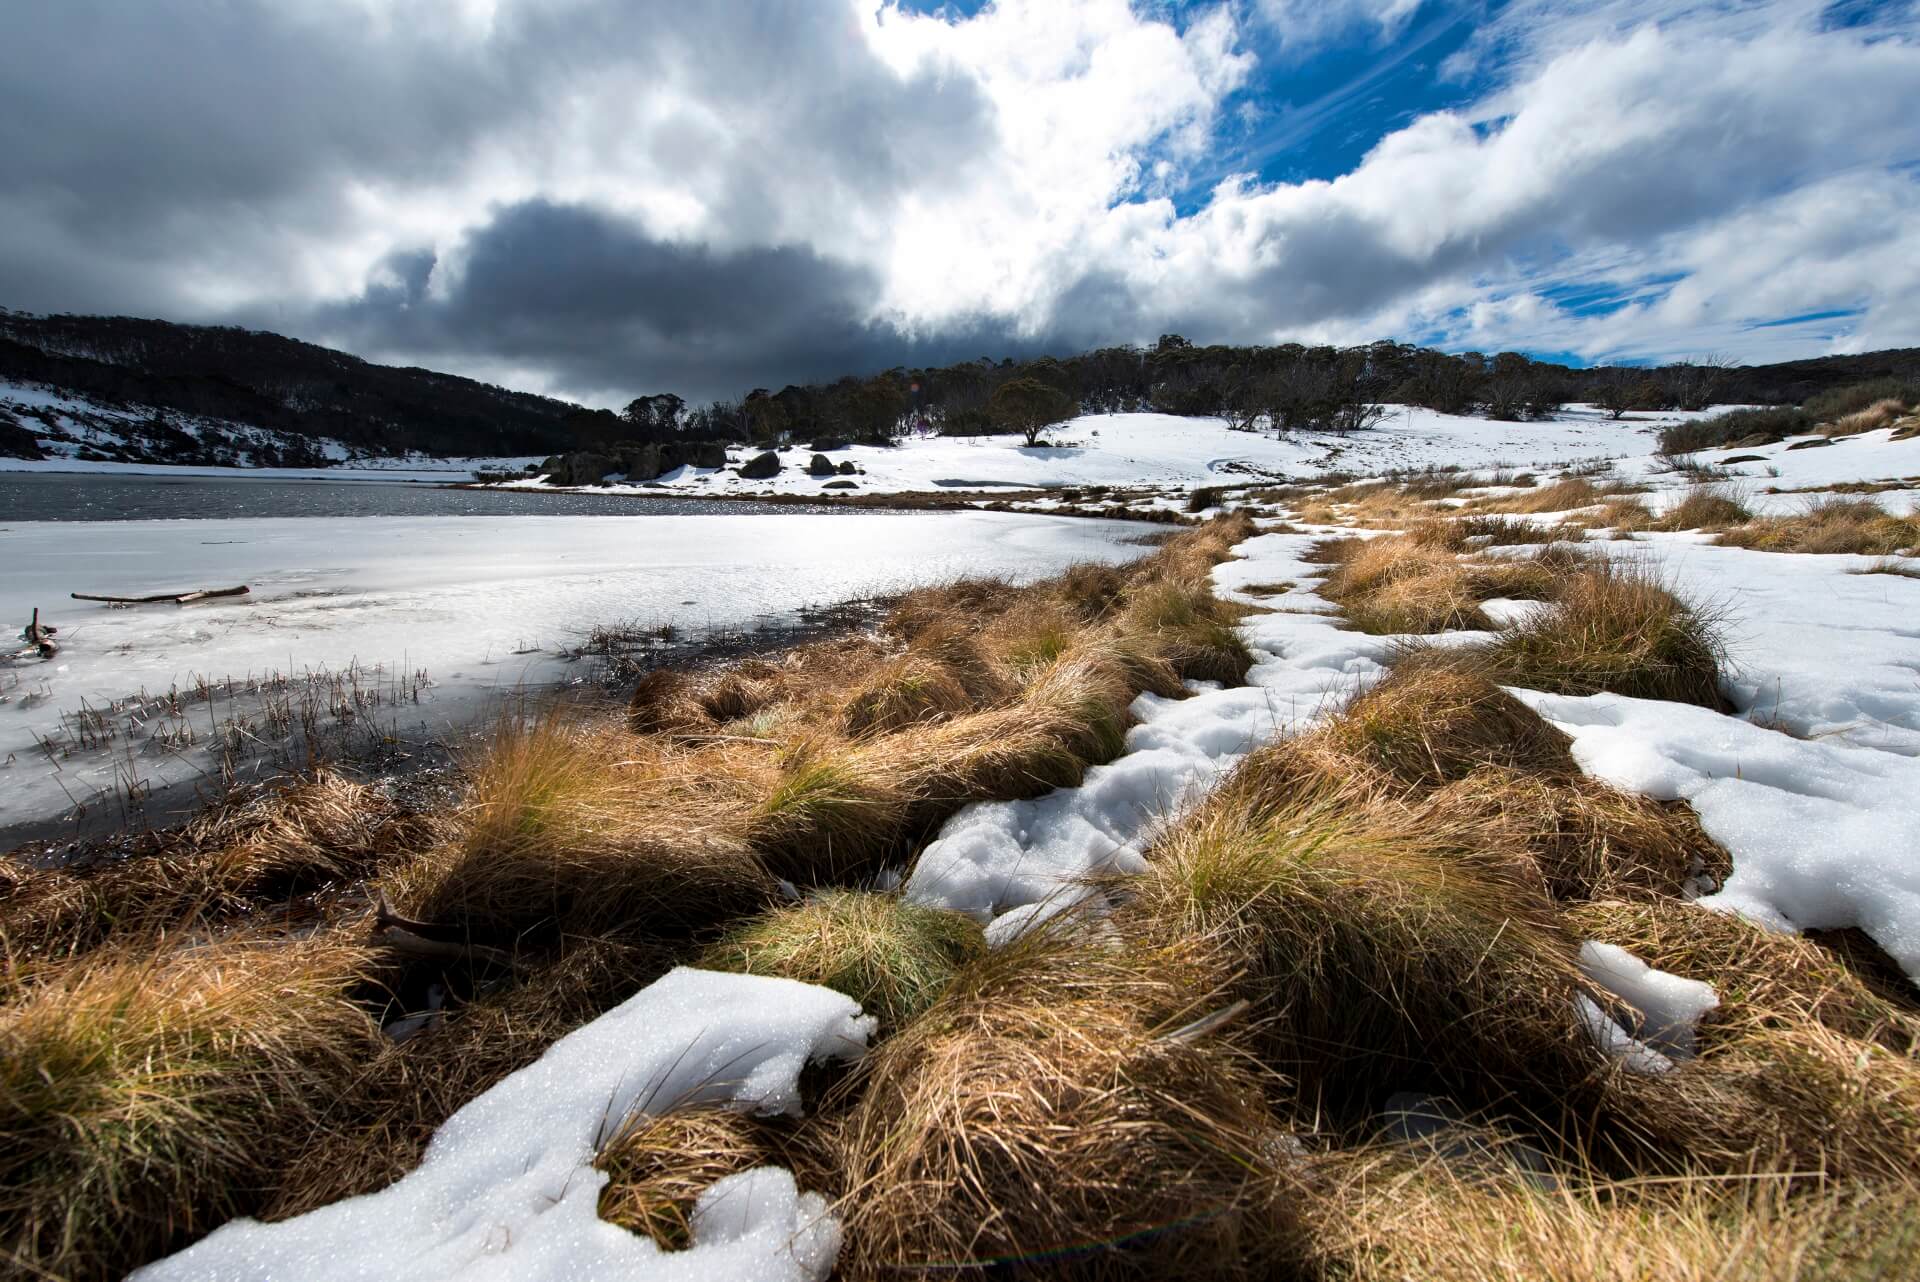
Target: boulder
<point>820,465</point>
<point>1731,459</point>
<point>847,468</point>
<point>827,443</point>
<point>841,485</point>
<point>761,466</point>
<point>706,454</point>
<point>1817,442</point>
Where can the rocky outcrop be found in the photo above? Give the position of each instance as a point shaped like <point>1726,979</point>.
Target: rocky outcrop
<point>633,461</point>
<point>760,467</point>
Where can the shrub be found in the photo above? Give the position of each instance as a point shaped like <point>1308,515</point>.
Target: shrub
<point>1838,402</point>
<point>1755,425</point>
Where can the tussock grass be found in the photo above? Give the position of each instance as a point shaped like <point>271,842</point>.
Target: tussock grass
<point>1830,526</point>
<point>1561,496</point>
<point>1380,942</point>
<point>572,826</point>
<point>1039,1118</point>
<point>1905,567</point>
<point>1399,583</point>
<point>1431,722</point>
<point>1587,839</point>
<point>658,1166</point>
<point>145,1099</point>
<point>892,957</point>
<point>265,847</point>
<point>1501,531</point>
<point>1383,1215</point>
<point>1882,413</point>
<point>1704,508</point>
<point>907,691</point>
<point>1614,627</point>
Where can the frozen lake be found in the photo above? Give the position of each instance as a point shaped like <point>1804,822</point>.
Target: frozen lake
<point>87,496</point>
<point>357,608</point>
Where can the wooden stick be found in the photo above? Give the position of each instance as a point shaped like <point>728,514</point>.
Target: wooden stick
<point>178,598</point>
<point>39,637</point>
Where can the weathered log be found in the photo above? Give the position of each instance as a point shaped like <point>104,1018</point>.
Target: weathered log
<point>178,598</point>
<point>411,938</point>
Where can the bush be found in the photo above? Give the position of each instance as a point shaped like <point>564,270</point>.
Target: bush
<point>1838,402</point>
<point>1767,425</point>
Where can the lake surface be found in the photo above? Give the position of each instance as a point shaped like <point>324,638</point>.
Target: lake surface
<point>82,496</point>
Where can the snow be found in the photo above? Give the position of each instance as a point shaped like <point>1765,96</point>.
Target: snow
<point>1616,1043</point>
<point>1135,450</point>
<point>1799,474</point>
<point>1672,1005</point>
<point>484,604</point>
<point>507,1189</point>
<point>1013,864</point>
<point>1822,832</point>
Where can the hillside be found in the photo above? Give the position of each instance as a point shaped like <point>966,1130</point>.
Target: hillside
<point>150,390</point>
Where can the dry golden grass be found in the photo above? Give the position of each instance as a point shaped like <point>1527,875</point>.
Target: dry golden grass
<point>1394,1216</point>
<point>1561,496</point>
<point>892,957</point>
<point>146,1099</point>
<point>263,849</point>
<point>1704,508</point>
<point>658,1166</point>
<point>1040,1119</point>
<point>1614,627</point>
<point>1379,940</point>
<point>1401,584</point>
<point>1431,722</point>
<point>1882,413</point>
<point>1828,526</point>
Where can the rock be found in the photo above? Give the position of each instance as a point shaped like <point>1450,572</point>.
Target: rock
<point>1731,459</point>
<point>1817,442</point>
<point>841,485</point>
<point>1750,442</point>
<point>827,443</point>
<point>847,468</point>
<point>706,454</point>
<point>760,467</point>
<point>820,465</point>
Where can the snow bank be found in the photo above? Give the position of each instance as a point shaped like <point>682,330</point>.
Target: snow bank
<point>1011,864</point>
<point>507,1189</point>
<point>1169,450</point>
<point>1822,833</point>
<point>1672,1006</point>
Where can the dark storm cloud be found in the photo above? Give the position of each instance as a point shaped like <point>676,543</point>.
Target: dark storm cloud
<point>142,139</point>
<point>612,311</point>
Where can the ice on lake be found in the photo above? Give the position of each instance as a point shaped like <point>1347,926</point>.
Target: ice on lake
<point>484,605</point>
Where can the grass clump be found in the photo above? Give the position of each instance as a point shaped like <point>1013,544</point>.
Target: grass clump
<point>892,957</point>
<point>1614,628</point>
<point>1561,496</point>
<point>1430,722</point>
<point>658,1166</point>
<point>146,1099</point>
<point>1377,940</point>
<point>1837,403</point>
<point>1704,508</point>
<point>1040,1117</point>
<point>1831,526</point>
<point>912,689</point>
<point>1401,584</point>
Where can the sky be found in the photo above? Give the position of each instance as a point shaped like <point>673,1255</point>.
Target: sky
<point>602,198</point>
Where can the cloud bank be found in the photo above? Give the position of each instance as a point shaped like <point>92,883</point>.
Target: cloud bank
<point>600,198</point>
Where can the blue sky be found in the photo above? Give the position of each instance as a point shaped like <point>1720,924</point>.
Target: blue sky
<point>603,197</point>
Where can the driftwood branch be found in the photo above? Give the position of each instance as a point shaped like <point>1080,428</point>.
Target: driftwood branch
<point>408,938</point>
<point>177,598</point>
<point>39,639</point>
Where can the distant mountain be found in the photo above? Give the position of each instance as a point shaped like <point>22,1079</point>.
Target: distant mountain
<point>149,389</point>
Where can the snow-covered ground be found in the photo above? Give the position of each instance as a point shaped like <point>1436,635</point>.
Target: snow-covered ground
<point>482,604</point>
<point>1163,450</point>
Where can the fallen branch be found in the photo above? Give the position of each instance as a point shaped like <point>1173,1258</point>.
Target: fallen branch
<point>178,598</point>
<point>408,937</point>
<point>39,639</point>
<point>1208,1024</point>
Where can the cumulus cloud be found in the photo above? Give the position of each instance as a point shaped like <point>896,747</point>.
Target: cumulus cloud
<point>598,198</point>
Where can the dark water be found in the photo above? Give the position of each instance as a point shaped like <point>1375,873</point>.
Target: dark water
<point>80,496</point>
